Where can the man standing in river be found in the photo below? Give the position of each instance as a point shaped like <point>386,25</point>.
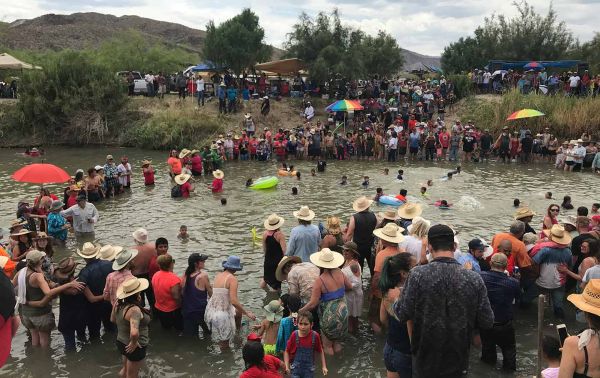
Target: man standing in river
<point>146,251</point>
<point>360,230</point>
<point>443,303</point>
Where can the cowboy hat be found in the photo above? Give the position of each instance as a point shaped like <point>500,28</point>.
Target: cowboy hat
<point>88,251</point>
<point>352,247</point>
<point>389,215</point>
<point>558,235</point>
<point>16,223</point>
<point>146,162</point>
<point>185,152</point>
<point>361,204</point>
<point>570,221</point>
<point>274,311</point>
<point>132,286</point>
<point>327,259</point>
<point>124,258</point>
<point>417,221</point>
<point>41,235</point>
<point>194,152</point>
<point>218,174</point>
<point>56,205</point>
<point>140,235</point>
<point>304,214</point>
<point>273,222</point>
<point>247,115</point>
<point>410,210</point>
<point>109,252</point>
<point>334,226</point>
<point>21,232</point>
<point>182,178</point>
<point>589,301</point>
<point>279,275</point>
<point>523,212</point>
<point>391,232</point>
<point>232,263</point>
<point>65,268</point>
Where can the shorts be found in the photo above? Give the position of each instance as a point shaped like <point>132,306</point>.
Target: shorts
<point>577,167</point>
<point>42,323</point>
<point>397,362</point>
<point>414,150</point>
<point>401,151</point>
<point>569,162</point>
<point>137,355</point>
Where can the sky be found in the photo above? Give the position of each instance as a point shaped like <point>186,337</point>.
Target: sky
<point>423,26</point>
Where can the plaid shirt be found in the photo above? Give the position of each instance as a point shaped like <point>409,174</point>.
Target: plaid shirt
<point>111,173</point>
<point>113,281</point>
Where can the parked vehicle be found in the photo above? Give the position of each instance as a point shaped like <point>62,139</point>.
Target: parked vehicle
<point>138,79</point>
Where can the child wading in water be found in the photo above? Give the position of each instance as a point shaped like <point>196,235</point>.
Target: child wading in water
<point>551,353</point>
<point>269,327</point>
<point>302,347</point>
<point>288,324</point>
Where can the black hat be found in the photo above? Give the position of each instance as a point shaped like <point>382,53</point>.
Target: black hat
<point>477,244</point>
<point>81,197</point>
<point>195,257</point>
<point>440,231</point>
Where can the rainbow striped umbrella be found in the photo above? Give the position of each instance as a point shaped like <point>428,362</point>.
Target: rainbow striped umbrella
<point>525,113</point>
<point>344,106</point>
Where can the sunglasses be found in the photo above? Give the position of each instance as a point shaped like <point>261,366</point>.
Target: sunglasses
<point>555,210</point>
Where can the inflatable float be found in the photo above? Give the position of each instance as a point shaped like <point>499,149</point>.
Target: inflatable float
<point>265,183</point>
<point>283,172</point>
<point>391,201</point>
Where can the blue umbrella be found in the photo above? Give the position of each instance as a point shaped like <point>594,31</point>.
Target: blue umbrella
<point>206,66</point>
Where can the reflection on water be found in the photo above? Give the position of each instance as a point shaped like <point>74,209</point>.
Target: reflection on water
<point>482,196</point>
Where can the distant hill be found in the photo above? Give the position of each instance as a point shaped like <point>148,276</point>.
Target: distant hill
<point>81,30</point>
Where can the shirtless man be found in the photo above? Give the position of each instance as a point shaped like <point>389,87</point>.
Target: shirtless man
<point>146,251</point>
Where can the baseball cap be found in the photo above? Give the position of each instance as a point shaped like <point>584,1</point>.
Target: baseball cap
<point>195,257</point>
<point>35,256</point>
<point>499,259</point>
<point>109,157</point>
<point>253,337</point>
<point>477,244</point>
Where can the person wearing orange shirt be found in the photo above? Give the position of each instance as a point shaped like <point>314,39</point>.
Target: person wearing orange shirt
<point>175,164</point>
<point>6,264</point>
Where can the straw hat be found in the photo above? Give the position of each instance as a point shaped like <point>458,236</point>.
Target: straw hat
<point>410,210</point>
<point>146,162</point>
<point>65,267</point>
<point>124,258</point>
<point>21,232</point>
<point>185,152</point>
<point>88,251</point>
<point>589,301</point>
<point>182,178</point>
<point>361,204</point>
<point>41,235</point>
<point>391,232</point>
<point>140,235</point>
<point>194,152</point>
<point>389,214</point>
<point>523,212</point>
<point>16,223</point>
<point>273,222</point>
<point>247,115</point>
<point>132,286</point>
<point>218,174</point>
<point>279,275</point>
<point>327,259</point>
<point>304,214</point>
<point>274,311</point>
<point>35,256</point>
<point>109,252</point>
<point>558,234</point>
<point>333,225</point>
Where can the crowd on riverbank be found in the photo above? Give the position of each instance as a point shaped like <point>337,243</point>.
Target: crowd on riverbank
<point>318,271</point>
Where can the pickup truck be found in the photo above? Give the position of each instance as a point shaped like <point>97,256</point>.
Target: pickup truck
<point>140,83</point>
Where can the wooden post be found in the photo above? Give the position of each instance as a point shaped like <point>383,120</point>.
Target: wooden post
<point>540,321</point>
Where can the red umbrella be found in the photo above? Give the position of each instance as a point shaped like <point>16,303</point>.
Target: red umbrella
<point>41,173</point>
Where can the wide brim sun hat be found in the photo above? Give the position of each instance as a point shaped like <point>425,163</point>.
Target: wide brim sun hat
<point>304,214</point>
<point>218,174</point>
<point>279,276</point>
<point>327,259</point>
<point>558,234</point>
<point>132,286</point>
<point>123,258</point>
<point>361,204</point>
<point>182,178</point>
<point>589,300</point>
<point>273,222</point>
<point>88,251</point>
<point>410,210</point>
<point>391,233</point>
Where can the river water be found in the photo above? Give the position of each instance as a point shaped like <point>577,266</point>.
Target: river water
<point>482,197</point>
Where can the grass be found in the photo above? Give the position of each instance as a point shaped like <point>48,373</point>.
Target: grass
<point>566,117</point>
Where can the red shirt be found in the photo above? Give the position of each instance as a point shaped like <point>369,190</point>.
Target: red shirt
<point>252,146</point>
<point>162,282</point>
<point>152,267</point>
<point>185,189</point>
<point>412,124</point>
<point>148,176</point>
<point>304,342</point>
<point>401,197</point>
<point>217,185</point>
<point>444,139</point>
<point>271,364</point>
<point>197,163</point>
<point>72,201</point>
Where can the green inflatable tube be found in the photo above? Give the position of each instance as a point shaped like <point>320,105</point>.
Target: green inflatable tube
<point>265,183</point>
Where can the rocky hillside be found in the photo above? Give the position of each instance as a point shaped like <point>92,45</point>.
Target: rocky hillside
<point>81,30</point>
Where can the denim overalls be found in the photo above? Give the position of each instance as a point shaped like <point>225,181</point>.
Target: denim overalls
<point>304,364</point>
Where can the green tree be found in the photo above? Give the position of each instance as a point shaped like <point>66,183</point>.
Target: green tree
<point>237,43</point>
<point>332,50</point>
<point>590,52</point>
<point>527,36</point>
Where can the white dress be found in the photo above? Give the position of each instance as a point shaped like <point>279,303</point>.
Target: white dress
<point>354,297</point>
<point>220,315</point>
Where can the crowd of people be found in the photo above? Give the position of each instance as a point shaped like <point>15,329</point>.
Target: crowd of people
<point>414,276</point>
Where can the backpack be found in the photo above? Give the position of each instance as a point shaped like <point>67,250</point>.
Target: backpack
<point>176,191</point>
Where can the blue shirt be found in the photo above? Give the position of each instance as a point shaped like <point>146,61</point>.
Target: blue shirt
<point>231,94</point>
<point>221,93</point>
<point>94,275</point>
<point>304,241</point>
<point>467,257</point>
<point>56,222</point>
<point>502,290</point>
<point>414,140</point>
